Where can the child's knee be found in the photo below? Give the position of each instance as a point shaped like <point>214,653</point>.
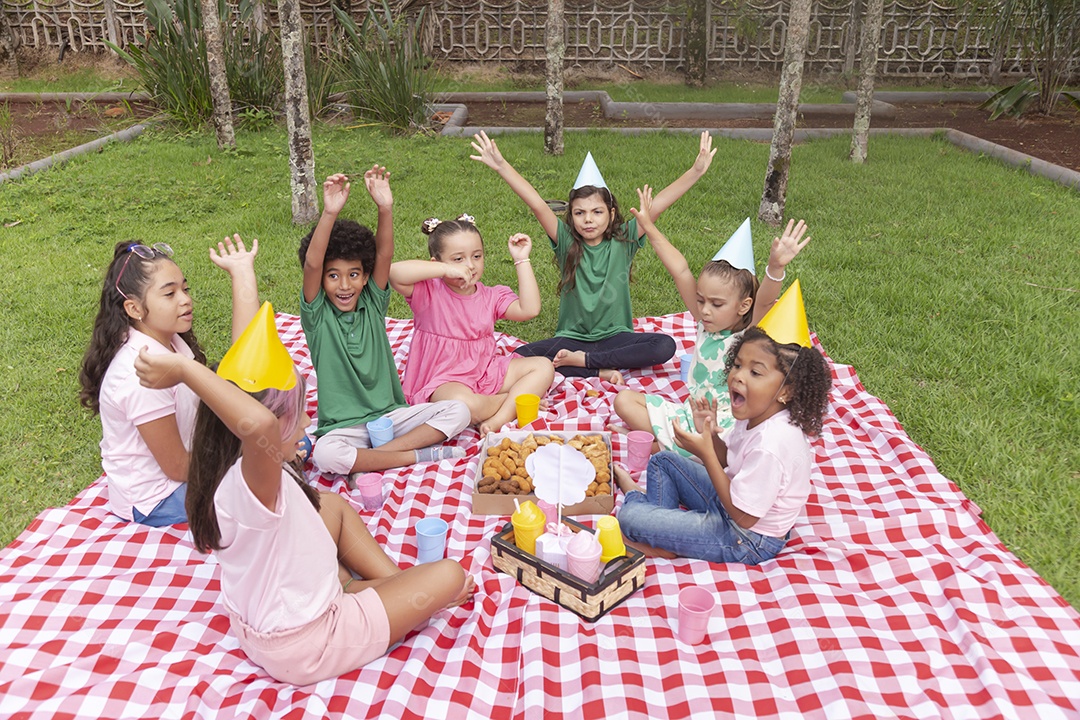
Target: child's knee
<point>335,457</point>
<point>452,417</point>
<point>627,401</point>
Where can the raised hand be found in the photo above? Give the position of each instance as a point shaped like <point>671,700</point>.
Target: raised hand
<point>700,444</point>
<point>157,371</point>
<point>489,151</point>
<point>787,246</point>
<point>335,193</point>
<point>644,215</point>
<point>520,246</point>
<point>702,410</point>
<point>377,181</point>
<point>705,153</point>
<point>231,255</point>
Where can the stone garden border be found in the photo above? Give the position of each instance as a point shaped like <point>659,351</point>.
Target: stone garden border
<point>457,105</point>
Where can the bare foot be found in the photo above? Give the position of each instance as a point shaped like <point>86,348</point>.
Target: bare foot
<point>649,550</point>
<point>485,429</point>
<point>612,376</point>
<point>570,358</point>
<point>466,592</point>
<point>625,482</point>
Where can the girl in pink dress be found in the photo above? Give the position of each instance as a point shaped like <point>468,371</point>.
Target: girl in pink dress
<point>452,356</point>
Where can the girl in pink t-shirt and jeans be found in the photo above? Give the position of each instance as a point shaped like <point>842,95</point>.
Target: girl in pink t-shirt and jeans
<point>287,554</point>
<point>146,433</point>
<point>452,356</point>
<point>742,500</point>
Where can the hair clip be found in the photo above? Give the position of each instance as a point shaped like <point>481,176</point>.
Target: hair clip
<point>431,223</point>
<point>467,218</point>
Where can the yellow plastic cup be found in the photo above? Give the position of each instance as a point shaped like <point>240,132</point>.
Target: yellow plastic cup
<point>609,534</point>
<point>528,408</point>
<point>528,521</point>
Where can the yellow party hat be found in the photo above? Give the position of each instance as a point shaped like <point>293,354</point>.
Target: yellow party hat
<point>786,320</point>
<point>258,359</point>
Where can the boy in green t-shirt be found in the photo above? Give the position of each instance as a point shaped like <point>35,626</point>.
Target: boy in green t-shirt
<point>343,313</point>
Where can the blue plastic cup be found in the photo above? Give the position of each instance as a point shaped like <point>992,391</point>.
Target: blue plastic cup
<point>380,431</point>
<point>684,367</point>
<point>431,540</point>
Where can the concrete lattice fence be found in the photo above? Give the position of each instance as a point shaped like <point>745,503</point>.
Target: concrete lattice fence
<point>920,39</point>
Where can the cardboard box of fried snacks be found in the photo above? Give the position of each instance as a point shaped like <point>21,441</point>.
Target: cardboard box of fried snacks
<point>520,443</point>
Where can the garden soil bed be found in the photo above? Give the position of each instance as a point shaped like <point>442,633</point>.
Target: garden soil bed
<point>39,129</point>
<point>1055,139</point>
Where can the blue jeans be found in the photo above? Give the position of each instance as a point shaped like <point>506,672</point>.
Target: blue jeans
<point>169,511</point>
<point>704,530</point>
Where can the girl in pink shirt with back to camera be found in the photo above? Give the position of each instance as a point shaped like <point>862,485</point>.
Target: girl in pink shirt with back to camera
<point>309,592</point>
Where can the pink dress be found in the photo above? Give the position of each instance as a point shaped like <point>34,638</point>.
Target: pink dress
<point>453,339</point>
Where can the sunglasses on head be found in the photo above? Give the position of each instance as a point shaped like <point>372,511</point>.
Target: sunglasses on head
<point>146,253</point>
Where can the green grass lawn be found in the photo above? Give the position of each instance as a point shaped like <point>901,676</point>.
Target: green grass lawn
<point>946,279</point>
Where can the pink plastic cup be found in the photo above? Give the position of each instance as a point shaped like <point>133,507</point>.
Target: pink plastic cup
<point>695,607</point>
<point>371,490</point>
<point>638,448</point>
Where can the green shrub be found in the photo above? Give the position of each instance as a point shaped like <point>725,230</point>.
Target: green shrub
<point>385,75</point>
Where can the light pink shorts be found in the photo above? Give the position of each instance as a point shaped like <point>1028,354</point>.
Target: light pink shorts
<point>352,632</point>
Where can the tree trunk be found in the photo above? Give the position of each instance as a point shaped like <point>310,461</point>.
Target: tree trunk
<point>297,117</point>
<point>556,54</point>
<point>771,210</point>
<point>697,46</point>
<point>9,63</point>
<point>864,101</point>
<point>219,82</point>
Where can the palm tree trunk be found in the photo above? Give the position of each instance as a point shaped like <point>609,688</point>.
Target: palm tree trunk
<point>305,209</point>
<point>556,54</point>
<point>771,210</point>
<point>864,101</point>
<point>219,82</point>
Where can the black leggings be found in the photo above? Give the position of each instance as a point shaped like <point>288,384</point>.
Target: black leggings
<point>624,350</point>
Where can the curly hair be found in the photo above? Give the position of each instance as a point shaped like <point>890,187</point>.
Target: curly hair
<point>744,281</point>
<point>614,231</point>
<point>215,449</point>
<point>349,240</point>
<point>112,322</point>
<point>805,370</point>
<point>437,231</point>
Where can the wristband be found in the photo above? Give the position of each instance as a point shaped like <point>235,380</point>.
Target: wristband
<point>525,260</point>
<point>779,279</point>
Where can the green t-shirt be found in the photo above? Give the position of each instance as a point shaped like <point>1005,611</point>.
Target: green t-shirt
<point>598,306</point>
<point>358,380</point>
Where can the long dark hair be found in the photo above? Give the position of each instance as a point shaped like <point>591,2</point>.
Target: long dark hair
<point>112,322</point>
<point>805,371</point>
<point>215,449</point>
<point>615,231</point>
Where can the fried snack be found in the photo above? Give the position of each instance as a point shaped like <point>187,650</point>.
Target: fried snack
<point>505,444</point>
<point>493,451</point>
<point>592,393</point>
<point>603,489</point>
<point>525,484</point>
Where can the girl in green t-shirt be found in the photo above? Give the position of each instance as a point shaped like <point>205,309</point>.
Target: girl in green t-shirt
<point>594,249</point>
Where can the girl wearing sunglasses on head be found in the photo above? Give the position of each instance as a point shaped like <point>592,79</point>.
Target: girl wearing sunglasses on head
<point>146,434</point>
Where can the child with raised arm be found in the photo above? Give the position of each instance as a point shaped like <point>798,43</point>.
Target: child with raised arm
<point>452,356</point>
<point>594,250</point>
<point>288,555</point>
<point>343,312</point>
<point>724,300</point>
<point>740,503</point>
<point>146,434</point>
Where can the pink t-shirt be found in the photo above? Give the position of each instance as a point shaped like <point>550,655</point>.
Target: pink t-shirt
<point>769,467</point>
<point>279,569</point>
<point>454,339</point>
<point>134,476</point>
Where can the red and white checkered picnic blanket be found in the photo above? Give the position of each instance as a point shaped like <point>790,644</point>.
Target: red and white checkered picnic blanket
<point>891,599</point>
